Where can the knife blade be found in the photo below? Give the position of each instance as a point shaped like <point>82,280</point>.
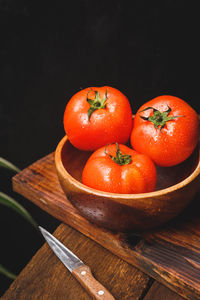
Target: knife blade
<point>80,271</point>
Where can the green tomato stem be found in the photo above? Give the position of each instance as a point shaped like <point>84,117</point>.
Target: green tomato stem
<point>97,103</point>
<point>159,119</point>
<point>120,159</point>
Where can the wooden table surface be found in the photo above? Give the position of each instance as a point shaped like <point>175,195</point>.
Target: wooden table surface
<point>118,261</point>
<point>45,277</point>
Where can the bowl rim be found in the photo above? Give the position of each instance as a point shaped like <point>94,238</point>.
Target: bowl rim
<point>60,167</point>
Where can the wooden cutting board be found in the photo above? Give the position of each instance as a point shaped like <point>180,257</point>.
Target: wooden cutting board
<point>170,254</point>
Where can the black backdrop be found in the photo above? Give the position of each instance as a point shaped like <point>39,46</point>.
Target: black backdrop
<point>50,50</point>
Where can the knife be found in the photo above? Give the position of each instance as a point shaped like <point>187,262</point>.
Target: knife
<point>80,271</point>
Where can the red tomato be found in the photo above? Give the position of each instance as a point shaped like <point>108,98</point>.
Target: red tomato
<point>97,116</point>
<point>119,169</point>
<point>166,129</point>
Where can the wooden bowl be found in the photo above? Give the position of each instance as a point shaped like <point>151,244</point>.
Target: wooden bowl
<point>176,187</point>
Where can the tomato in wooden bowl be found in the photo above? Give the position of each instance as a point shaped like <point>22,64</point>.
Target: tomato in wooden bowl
<point>176,187</point>
<point>97,116</point>
<point>166,129</point>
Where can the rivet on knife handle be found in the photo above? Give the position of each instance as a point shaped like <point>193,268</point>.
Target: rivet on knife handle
<point>94,288</point>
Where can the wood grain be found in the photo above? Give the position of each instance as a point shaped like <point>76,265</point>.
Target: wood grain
<point>171,254</point>
<point>45,277</point>
<point>160,292</point>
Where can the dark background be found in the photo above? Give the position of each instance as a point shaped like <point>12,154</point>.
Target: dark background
<point>50,51</point>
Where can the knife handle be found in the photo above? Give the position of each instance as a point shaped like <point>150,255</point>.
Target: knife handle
<point>94,288</point>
